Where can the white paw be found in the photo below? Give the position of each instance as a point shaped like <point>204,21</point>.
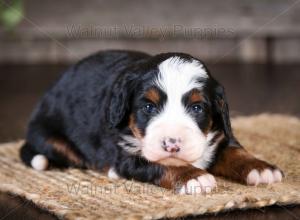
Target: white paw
<point>39,162</point>
<point>267,176</point>
<point>112,174</point>
<point>202,184</point>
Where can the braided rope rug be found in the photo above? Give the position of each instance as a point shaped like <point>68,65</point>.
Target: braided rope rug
<point>73,193</point>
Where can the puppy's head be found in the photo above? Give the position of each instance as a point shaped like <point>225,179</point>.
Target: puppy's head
<point>175,110</point>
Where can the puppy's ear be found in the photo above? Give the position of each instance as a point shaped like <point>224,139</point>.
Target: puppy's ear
<point>222,110</point>
<point>120,99</point>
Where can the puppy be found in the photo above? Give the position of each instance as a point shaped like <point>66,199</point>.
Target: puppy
<point>159,119</point>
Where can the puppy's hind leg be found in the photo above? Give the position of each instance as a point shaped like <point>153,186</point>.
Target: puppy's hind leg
<point>31,158</point>
<point>43,149</point>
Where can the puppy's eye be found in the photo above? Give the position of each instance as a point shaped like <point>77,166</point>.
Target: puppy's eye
<point>150,109</point>
<point>197,108</point>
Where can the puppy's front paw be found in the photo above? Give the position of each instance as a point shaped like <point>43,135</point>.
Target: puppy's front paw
<point>266,176</point>
<point>201,184</point>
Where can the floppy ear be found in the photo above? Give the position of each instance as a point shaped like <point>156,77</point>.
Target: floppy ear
<point>120,98</point>
<point>222,109</point>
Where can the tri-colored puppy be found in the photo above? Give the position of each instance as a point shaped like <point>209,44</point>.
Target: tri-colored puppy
<point>160,119</point>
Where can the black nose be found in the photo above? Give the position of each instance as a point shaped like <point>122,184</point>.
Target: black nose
<point>171,144</point>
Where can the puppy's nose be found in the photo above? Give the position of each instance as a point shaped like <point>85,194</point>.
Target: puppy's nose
<point>171,144</point>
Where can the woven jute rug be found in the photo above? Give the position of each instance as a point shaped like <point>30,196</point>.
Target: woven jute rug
<point>73,193</point>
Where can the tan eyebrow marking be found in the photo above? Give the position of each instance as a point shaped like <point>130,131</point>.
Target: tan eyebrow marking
<point>153,95</point>
<point>195,96</point>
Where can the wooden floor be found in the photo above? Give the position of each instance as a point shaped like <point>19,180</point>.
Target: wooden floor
<point>251,89</point>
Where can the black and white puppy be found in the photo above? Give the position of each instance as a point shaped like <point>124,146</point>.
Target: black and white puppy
<point>159,119</point>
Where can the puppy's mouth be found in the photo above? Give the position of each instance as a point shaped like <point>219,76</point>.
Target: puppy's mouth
<point>173,160</point>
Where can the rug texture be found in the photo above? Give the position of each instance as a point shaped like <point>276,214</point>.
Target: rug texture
<point>87,194</point>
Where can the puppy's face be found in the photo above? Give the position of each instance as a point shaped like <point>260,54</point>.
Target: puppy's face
<point>171,116</point>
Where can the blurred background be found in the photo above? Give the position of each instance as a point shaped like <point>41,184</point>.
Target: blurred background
<point>251,47</point>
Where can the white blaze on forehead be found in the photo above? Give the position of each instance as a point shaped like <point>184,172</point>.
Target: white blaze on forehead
<point>177,76</point>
